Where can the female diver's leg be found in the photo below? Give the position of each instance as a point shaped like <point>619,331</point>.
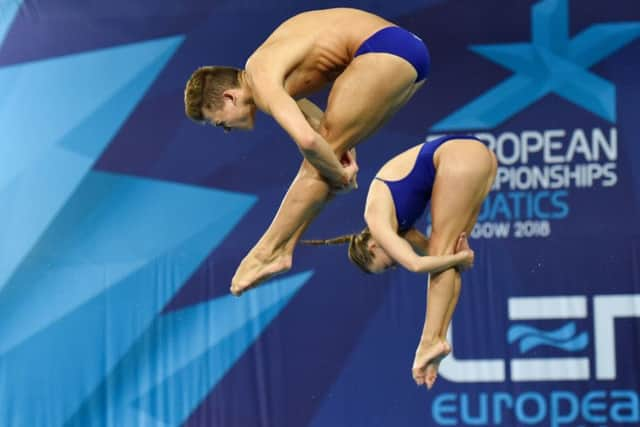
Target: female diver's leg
<point>465,173</point>
<point>468,230</point>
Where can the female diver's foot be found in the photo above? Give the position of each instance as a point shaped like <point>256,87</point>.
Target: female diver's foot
<point>255,269</point>
<point>431,373</point>
<point>427,360</point>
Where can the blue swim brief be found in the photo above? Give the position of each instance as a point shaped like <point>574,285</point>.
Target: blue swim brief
<point>399,42</point>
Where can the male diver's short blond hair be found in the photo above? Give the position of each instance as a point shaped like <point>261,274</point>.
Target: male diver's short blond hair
<point>205,87</point>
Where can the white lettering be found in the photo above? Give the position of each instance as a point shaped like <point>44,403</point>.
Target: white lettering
<point>606,308</point>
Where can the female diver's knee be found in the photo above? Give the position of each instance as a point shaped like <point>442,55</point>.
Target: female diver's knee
<point>441,244</point>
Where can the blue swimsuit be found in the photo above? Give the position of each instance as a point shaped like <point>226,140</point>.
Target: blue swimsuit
<point>399,42</point>
<point>412,193</point>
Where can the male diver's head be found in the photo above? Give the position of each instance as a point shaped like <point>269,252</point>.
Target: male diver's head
<point>219,96</point>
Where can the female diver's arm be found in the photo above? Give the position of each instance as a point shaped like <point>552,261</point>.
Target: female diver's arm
<point>400,250</point>
<point>379,217</point>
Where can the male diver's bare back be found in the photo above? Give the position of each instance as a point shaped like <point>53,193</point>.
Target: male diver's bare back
<point>311,49</point>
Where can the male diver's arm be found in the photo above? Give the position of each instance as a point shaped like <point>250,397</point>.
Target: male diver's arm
<point>313,146</point>
<point>315,116</point>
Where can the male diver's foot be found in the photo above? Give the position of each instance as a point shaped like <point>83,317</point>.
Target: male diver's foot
<point>427,361</point>
<point>254,270</point>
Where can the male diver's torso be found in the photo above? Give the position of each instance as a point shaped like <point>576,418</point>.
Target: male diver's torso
<point>324,42</point>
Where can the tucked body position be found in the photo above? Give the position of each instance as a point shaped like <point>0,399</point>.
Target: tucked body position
<point>374,68</point>
<point>455,174</point>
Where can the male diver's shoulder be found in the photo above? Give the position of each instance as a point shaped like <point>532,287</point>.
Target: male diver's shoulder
<point>259,70</point>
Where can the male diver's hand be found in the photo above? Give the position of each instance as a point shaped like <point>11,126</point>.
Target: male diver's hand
<point>348,161</point>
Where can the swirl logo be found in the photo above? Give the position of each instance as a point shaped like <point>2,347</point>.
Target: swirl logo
<point>563,338</point>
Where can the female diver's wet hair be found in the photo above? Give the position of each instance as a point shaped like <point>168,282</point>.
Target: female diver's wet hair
<point>358,251</point>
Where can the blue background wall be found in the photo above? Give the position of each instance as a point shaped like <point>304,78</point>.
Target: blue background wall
<point>121,224</point>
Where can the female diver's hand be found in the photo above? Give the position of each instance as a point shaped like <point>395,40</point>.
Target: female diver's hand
<point>463,248</point>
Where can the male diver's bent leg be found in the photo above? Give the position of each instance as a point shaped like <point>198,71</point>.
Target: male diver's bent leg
<point>363,97</point>
<point>273,253</point>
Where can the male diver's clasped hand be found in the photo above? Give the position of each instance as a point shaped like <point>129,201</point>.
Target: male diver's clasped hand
<point>350,168</point>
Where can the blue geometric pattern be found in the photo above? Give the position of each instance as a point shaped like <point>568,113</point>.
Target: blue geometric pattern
<point>8,11</point>
<point>181,356</point>
<point>121,224</point>
<point>90,259</point>
<point>46,150</point>
<point>551,63</point>
<point>98,277</point>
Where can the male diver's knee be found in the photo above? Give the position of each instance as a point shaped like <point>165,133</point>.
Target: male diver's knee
<point>308,171</point>
<point>340,139</point>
